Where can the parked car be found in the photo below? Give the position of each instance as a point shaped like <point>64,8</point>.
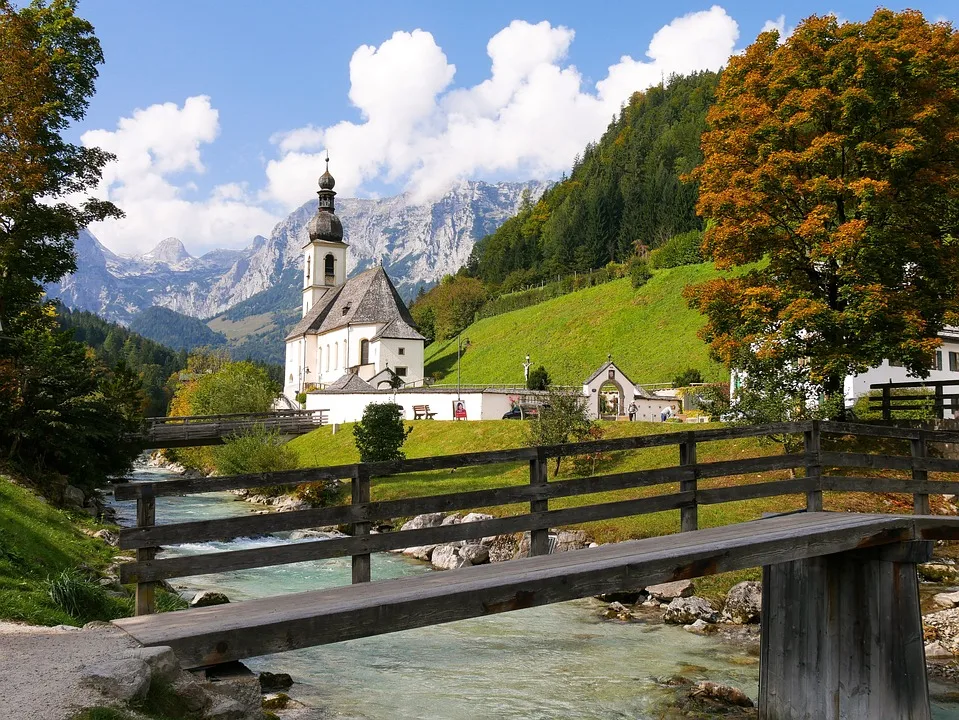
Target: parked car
<point>524,411</point>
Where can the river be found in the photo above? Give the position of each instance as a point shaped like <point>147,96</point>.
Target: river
<point>558,661</point>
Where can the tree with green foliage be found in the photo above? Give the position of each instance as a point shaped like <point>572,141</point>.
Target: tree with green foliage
<point>639,272</point>
<point>48,65</point>
<point>832,156</point>
<point>380,433</point>
<point>449,308</point>
<point>687,377</point>
<point>682,249</point>
<point>257,450</point>
<point>538,379</point>
<point>563,418</point>
<point>237,387</point>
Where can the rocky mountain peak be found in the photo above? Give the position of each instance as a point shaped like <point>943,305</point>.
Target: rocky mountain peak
<point>169,251</point>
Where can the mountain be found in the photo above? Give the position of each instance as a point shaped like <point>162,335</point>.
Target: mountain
<point>173,329</point>
<point>416,242</point>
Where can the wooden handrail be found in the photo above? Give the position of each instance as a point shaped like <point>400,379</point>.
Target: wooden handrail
<point>362,512</point>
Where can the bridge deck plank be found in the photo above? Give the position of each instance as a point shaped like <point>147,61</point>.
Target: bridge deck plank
<point>257,627</point>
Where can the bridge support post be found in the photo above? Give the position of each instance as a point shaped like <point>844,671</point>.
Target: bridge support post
<point>360,488</point>
<point>842,637</point>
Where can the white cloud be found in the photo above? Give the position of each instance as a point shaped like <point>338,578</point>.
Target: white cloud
<point>417,131</point>
<point>150,146</point>
<point>529,118</point>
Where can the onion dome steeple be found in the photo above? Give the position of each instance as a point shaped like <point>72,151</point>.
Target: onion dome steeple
<point>325,225</point>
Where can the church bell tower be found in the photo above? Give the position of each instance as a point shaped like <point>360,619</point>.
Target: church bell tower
<point>324,262</point>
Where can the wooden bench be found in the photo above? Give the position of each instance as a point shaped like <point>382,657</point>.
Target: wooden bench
<point>421,412</point>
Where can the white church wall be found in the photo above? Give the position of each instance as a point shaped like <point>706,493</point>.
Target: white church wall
<point>412,357</point>
<point>348,407</point>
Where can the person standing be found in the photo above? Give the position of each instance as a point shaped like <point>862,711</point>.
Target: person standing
<point>632,411</point>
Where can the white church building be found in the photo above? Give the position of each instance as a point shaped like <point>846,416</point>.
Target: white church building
<point>355,330</point>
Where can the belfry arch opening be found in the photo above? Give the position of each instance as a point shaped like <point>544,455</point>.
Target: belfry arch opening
<point>329,268</point>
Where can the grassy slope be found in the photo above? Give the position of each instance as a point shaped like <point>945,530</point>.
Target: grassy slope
<point>650,333</point>
<point>36,542</point>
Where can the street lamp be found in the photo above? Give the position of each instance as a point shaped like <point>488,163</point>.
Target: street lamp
<point>460,346</point>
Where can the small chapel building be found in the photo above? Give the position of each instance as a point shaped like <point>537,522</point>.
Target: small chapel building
<point>357,328</point>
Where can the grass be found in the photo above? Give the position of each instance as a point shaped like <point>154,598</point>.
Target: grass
<point>38,543</point>
<point>650,333</point>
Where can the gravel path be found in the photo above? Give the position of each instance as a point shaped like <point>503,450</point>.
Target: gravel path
<point>40,668</point>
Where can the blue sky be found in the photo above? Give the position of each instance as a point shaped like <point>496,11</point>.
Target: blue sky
<point>220,112</point>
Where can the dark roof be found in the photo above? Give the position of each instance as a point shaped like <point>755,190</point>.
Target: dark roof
<point>365,298</point>
<point>351,382</point>
<point>398,329</point>
<point>603,369</point>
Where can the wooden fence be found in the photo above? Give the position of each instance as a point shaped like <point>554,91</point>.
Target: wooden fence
<point>147,537</point>
<point>928,395</point>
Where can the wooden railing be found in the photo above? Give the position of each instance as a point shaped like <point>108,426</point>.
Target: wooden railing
<point>181,431</point>
<point>147,537</point>
<point>934,400</point>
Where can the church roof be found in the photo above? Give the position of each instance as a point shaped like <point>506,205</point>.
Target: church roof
<point>351,382</point>
<point>365,298</point>
<point>398,329</point>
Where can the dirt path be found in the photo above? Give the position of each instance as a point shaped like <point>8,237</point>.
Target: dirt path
<point>40,668</point>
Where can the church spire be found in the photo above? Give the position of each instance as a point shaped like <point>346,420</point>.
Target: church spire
<point>325,225</point>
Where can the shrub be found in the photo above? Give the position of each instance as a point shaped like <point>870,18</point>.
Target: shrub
<point>83,599</point>
<point>257,450</point>
<point>301,398</point>
<point>380,433</point>
<point>687,377</point>
<point>682,249</point>
<point>563,418</point>
<point>639,272</point>
<point>538,379</point>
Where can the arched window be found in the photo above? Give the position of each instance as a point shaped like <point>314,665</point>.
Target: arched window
<point>364,352</point>
<point>336,356</point>
<point>329,267</point>
<point>319,358</point>
<point>327,357</point>
<point>307,269</point>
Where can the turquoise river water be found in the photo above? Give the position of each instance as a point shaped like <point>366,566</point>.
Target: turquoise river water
<point>559,661</point>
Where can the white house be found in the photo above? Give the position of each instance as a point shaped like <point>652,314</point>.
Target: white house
<point>357,326</point>
<point>611,383</point>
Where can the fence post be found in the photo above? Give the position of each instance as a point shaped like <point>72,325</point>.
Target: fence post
<point>811,444</point>
<point>920,501</point>
<point>538,538</point>
<point>688,516</point>
<point>360,494</point>
<point>145,603</point>
<point>939,402</point>
<point>886,409</point>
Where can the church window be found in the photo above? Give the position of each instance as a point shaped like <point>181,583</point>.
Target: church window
<point>401,371</point>
<point>307,269</point>
<point>327,357</point>
<point>364,352</point>
<point>401,351</point>
<point>329,264</point>
<point>336,356</point>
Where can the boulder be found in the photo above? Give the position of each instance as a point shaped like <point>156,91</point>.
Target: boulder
<point>617,611</point>
<point>451,520</point>
<point>686,611</point>
<point>316,534</point>
<point>476,517</point>
<point>424,521</point>
<point>501,547</point>
<point>123,679</point>
<point>420,552</point>
<point>744,602</point>
<point>206,598</point>
<point>476,554</point>
<point>162,662</point>
<point>108,536</point>
<point>273,682</point>
<point>569,540</point>
<point>288,503</point>
<point>725,694</point>
<point>946,600</point>
<point>447,557</point>
<point>938,572</point>
<point>667,591</point>
<point>700,627</point>
<point>935,651</point>
<point>73,496</point>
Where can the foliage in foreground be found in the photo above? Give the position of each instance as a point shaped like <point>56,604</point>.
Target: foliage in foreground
<point>380,434</point>
<point>834,155</point>
<point>563,418</point>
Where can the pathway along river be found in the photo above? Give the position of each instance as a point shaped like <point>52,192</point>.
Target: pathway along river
<point>558,661</point>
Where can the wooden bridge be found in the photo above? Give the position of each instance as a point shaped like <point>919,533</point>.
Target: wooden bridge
<point>196,430</point>
<point>841,628</point>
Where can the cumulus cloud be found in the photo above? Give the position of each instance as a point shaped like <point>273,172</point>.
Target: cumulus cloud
<point>532,115</point>
<point>417,130</point>
<point>152,145</point>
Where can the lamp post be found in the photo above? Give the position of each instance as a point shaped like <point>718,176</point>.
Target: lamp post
<point>460,345</point>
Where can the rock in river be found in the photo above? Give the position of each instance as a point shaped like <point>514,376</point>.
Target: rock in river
<point>686,611</point>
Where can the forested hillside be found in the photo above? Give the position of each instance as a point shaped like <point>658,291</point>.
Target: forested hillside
<point>176,330</point>
<point>113,343</point>
<point>625,191</point>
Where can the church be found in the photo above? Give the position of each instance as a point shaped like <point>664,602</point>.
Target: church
<point>354,333</point>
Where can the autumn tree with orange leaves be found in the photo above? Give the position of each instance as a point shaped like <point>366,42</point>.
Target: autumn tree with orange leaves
<point>832,159</point>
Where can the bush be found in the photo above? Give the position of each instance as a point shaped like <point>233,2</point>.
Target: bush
<point>538,379</point>
<point>83,599</point>
<point>639,272</point>
<point>255,451</point>
<point>380,433</point>
<point>687,377</point>
<point>683,249</point>
<point>563,418</point>
<point>301,398</point>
